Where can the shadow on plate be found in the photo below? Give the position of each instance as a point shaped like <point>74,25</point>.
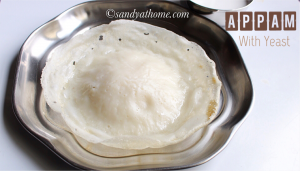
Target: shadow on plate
<point>40,154</point>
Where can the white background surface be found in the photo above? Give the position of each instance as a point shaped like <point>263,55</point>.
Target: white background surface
<point>268,140</point>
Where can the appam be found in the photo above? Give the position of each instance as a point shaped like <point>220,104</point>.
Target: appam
<point>131,85</point>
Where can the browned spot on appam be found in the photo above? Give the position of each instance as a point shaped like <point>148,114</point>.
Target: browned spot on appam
<point>214,80</point>
<point>211,108</point>
<point>200,66</point>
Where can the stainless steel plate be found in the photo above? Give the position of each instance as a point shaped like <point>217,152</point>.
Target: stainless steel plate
<point>237,91</point>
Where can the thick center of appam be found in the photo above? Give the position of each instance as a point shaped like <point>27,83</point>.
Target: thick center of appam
<point>125,93</point>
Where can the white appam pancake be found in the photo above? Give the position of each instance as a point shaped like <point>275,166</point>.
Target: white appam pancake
<point>132,85</point>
